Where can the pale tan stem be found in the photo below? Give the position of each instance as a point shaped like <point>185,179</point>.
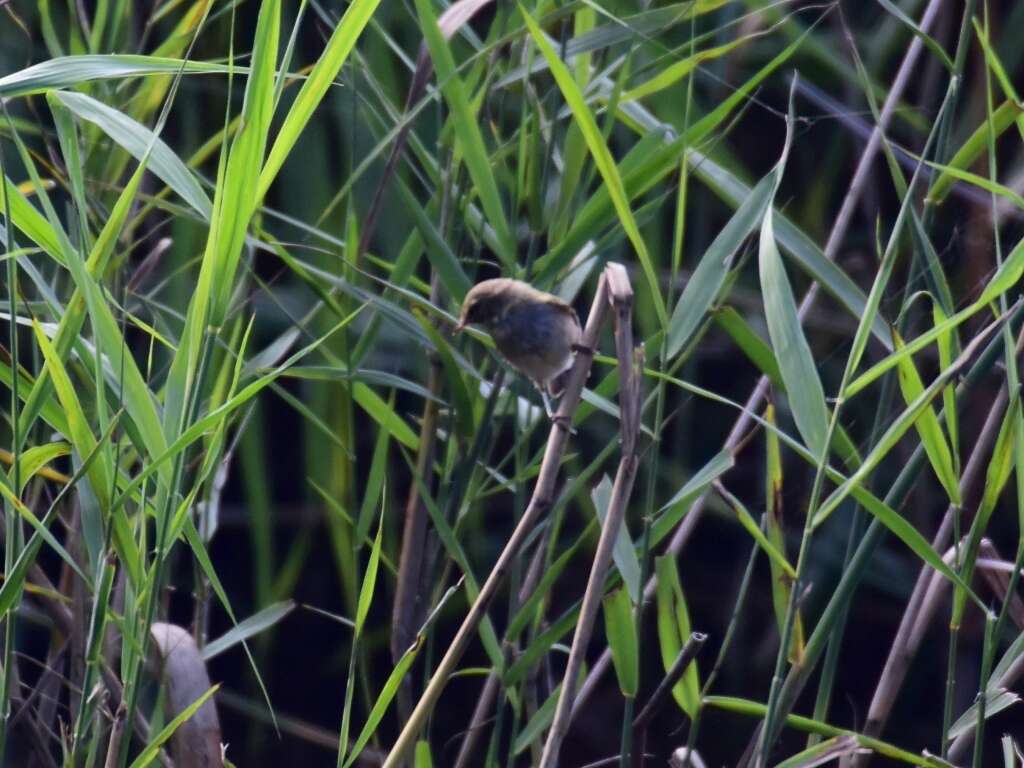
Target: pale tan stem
<point>629,411</point>
<point>538,506</point>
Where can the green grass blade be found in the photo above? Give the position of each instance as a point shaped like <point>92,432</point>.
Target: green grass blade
<point>623,552</point>
<point>387,694</point>
<point>149,754</point>
<point>707,279</point>
<point>620,630</point>
<point>932,437</point>
<point>799,371</point>
<point>674,630</point>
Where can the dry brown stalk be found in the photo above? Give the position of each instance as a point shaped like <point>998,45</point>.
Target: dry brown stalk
<point>489,692</point>
<point>196,742</point>
<point>408,606</point>
<point>539,504</point>
<point>621,296</point>
<point>998,580</point>
<point>911,629</point>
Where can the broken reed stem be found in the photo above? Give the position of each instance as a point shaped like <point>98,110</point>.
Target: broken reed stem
<point>839,228</point>
<point>661,695</point>
<point>539,504</point>
<point>621,297</point>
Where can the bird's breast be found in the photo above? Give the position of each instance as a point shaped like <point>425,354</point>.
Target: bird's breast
<point>537,339</point>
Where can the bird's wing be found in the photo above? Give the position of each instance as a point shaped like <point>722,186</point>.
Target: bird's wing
<point>562,306</point>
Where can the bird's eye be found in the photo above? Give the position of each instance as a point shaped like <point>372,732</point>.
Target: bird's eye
<point>478,312</point>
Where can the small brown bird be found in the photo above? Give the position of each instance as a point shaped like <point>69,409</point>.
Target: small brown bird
<point>536,332</point>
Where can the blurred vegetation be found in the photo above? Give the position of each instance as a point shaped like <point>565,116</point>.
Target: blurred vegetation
<point>235,238</point>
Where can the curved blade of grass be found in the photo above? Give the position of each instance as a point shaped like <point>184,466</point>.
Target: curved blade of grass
<point>750,343</point>
<point>149,754</point>
<point>1000,190</point>
<point>707,279</point>
<point>995,702</point>
<point>378,409</point>
<point>80,434</point>
<point>33,461</point>
<point>808,725</point>
<point>526,663</point>
<point>320,78</point>
<point>930,42</point>
<point>602,159</point>
<point>249,627</point>
<point>8,493</point>
<point>775,555</point>
<point>623,553</point>
<point>137,139</point>
<point>674,509</point>
<point>837,747</point>
<point>387,694</point>
<point>679,69</point>
<point>32,223</point>
<point>1005,115</point>
<point>68,71</point>
<point>799,372</point>
<point>932,437</point>
<point>538,723</point>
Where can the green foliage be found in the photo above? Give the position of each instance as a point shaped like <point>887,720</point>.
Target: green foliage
<point>212,356</point>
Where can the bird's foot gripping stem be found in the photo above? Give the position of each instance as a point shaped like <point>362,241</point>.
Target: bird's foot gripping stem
<point>582,349</point>
<point>562,422</point>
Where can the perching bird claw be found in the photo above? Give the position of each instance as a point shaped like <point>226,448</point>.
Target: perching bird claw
<point>562,422</point>
<point>582,349</point>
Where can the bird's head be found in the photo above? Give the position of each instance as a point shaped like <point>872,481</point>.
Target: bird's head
<point>486,302</point>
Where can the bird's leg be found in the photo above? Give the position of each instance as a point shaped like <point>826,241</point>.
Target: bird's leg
<point>562,422</point>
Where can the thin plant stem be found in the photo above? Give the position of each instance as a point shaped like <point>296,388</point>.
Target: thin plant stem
<point>620,294</point>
